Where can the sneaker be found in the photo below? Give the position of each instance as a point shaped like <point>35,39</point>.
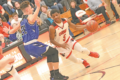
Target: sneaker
<point>60,77</point>
<point>94,54</point>
<point>108,22</point>
<point>86,64</point>
<point>112,22</point>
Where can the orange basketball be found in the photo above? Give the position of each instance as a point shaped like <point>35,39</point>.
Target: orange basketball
<point>92,26</point>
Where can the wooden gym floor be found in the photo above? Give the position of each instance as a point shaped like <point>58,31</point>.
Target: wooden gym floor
<point>106,42</point>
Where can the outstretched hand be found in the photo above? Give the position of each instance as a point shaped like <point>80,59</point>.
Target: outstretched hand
<point>5,29</point>
<point>37,3</point>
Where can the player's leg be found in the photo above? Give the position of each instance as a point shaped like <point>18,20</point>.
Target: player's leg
<point>70,56</point>
<point>53,64</point>
<point>79,48</point>
<point>14,73</point>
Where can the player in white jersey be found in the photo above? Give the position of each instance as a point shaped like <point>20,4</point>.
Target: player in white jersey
<point>7,65</point>
<point>59,36</point>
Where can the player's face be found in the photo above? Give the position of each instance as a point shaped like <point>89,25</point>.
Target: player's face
<point>56,17</point>
<point>30,9</point>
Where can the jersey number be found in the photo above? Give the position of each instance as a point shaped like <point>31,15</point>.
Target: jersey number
<point>64,37</point>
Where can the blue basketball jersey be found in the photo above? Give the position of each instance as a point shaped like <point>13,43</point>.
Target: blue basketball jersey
<point>29,31</point>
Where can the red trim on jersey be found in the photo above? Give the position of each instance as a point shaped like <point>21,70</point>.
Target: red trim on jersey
<point>64,21</point>
<point>67,39</point>
<point>69,55</point>
<point>56,26</point>
<point>74,45</point>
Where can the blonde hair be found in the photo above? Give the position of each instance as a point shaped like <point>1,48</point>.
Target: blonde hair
<point>48,13</point>
<point>39,21</point>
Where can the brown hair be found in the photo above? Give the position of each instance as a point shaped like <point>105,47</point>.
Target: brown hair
<point>24,5</point>
<point>72,1</point>
<point>44,7</point>
<point>14,14</point>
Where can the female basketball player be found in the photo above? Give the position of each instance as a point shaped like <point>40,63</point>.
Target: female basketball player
<point>30,33</point>
<point>7,66</point>
<point>59,36</point>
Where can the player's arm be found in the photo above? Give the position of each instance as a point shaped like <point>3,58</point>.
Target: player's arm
<point>76,27</point>
<point>32,18</point>
<point>12,31</point>
<point>52,36</point>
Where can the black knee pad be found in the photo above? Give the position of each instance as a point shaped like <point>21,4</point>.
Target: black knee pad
<point>53,55</point>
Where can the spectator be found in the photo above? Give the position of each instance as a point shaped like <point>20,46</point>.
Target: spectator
<point>107,4</point>
<point>7,6</point>
<point>49,20</point>
<point>64,3</point>
<point>15,23</point>
<point>3,18</point>
<point>7,36</point>
<point>78,2</point>
<point>43,15</point>
<point>53,5</point>
<point>98,7</point>
<point>74,9</point>
<point>114,10</point>
<point>15,20</point>
<point>2,11</point>
<point>18,10</point>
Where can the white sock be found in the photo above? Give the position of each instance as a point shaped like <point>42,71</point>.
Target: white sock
<point>81,49</point>
<point>15,74</point>
<point>74,59</point>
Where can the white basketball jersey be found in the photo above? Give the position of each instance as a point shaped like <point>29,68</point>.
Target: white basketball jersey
<point>62,31</point>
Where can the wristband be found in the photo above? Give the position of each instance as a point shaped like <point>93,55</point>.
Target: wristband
<point>8,32</point>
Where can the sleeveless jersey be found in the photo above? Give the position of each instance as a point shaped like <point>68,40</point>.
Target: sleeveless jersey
<point>62,33</point>
<point>29,31</point>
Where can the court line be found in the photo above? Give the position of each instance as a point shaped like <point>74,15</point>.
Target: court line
<point>99,66</point>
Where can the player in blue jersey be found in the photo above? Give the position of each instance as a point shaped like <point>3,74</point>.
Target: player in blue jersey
<point>30,33</point>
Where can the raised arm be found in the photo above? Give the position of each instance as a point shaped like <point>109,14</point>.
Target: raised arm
<point>32,18</point>
<point>76,27</point>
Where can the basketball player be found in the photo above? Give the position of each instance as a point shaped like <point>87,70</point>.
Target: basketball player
<point>8,67</point>
<point>59,36</point>
<point>30,33</point>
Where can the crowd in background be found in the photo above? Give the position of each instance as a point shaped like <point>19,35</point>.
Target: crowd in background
<point>11,14</point>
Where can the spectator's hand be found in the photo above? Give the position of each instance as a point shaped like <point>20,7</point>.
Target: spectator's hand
<point>100,5</point>
<point>105,5</point>
<point>55,3</point>
<point>6,29</point>
<point>114,1</point>
<point>37,3</point>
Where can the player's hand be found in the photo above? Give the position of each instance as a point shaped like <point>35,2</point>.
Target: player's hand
<point>114,1</point>
<point>65,46</point>
<point>6,30</point>
<point>37,3</point>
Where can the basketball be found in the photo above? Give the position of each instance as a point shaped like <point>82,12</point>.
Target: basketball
<point>92,26</point>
